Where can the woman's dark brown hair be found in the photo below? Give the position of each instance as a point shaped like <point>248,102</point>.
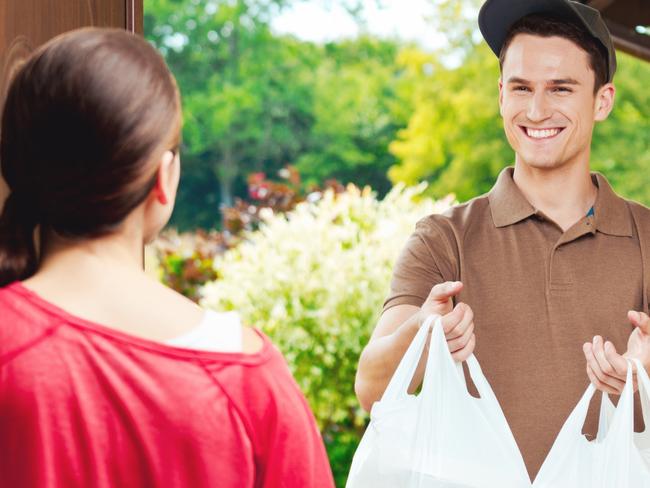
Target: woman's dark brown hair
<point>85,122</point>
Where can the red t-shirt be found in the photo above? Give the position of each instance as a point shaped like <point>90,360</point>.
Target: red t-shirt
<point>86,405</point>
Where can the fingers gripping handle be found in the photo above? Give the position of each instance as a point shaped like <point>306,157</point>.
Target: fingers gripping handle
<point>622,418</point>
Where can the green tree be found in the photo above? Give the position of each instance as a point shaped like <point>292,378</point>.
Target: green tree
<point>454,138</point>
<point>621,144</point>
<point>255,101</point>
<point>355,114</point>
<point>246,93</point>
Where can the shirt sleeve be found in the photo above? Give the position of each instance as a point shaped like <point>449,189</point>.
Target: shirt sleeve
<point>426,260</point>
<point>288,449</point>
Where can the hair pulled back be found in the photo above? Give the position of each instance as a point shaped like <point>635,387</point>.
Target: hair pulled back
<point>85,122</point>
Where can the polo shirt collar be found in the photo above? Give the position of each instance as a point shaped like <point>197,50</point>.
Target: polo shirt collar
<point>612,215</point>
<point>509,206</point>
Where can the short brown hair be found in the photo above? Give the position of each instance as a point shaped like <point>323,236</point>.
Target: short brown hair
<point>547,25</point>
<point>85,122</point>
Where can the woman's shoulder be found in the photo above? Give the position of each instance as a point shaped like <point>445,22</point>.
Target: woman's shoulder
<point>17,306</point>
<point>22,324</point>
<point>252,342</point>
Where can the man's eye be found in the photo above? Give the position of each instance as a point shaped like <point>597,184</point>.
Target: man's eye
<point>521,88</point>
<point>562,89</point>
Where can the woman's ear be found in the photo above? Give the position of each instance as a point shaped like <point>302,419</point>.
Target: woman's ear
<point>167,180</point>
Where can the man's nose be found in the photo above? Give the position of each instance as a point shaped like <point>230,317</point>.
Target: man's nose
<point>539,108</point>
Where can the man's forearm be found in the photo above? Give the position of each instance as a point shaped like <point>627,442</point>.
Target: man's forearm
<point>380,359</point>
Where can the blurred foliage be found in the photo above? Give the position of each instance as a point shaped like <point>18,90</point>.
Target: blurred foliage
<point>184,261</point>
<point>458,20</point>
<point>621,144</point>
<point>255,102</point>
<point>455,137</point>
<point>356,114</point>
<point>245,93</point>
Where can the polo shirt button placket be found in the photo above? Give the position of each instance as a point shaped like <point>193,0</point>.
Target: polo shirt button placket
<point>559,281</point>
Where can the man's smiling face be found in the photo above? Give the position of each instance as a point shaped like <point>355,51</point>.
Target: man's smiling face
<point>547,101</point>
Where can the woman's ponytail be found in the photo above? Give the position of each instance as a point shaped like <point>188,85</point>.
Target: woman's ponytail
<point>18,258</point>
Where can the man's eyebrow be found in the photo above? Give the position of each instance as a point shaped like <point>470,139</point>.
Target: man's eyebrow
<point>560,81</point>
<point>521,81</point>
<point>565,81</point>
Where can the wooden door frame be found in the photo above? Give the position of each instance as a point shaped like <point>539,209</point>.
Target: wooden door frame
<point>135,16</point>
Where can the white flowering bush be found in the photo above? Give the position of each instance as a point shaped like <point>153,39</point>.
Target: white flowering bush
<point>314,280</point>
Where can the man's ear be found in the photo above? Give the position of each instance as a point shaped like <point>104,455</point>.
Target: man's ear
<point>501,96</point>
<point>604,102</point>
<point>165,179</point>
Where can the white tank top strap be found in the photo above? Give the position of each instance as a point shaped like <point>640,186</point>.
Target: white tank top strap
<point>218,332</point>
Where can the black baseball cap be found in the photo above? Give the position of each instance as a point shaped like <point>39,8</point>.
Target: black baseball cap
<point>497,16</point>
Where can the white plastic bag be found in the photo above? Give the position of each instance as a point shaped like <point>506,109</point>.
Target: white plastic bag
<point>441,438</point>
<point>616,458</point>
<point>607,409</point>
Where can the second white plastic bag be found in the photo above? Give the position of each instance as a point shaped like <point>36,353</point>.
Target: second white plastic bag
<point>616,458</point>
<point>441,438</point>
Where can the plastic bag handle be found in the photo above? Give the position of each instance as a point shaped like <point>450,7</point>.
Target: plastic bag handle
<point>480,381</point>
<point>607,407</point>
<point>623,418</point>
<point>440,358</point>
<point>439,362</point>
<point>604,416</point>
<point>398,385</point>
<point>644,391</point>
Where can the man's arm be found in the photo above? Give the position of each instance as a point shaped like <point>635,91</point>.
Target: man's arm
<point>394,332</point>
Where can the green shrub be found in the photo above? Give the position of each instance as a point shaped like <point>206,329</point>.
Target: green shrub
<point>314,280</point>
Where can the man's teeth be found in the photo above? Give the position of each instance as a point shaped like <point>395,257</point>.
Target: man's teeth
<point>542,134</point>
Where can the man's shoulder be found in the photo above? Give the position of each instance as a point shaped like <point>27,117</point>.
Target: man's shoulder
<point>641,218</point>
<point>458,217</point>
<point>638,208</point>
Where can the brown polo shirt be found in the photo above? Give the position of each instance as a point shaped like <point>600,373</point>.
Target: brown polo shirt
<point>538,294</point>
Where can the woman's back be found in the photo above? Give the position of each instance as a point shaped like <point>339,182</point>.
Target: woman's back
<point>87,405</point>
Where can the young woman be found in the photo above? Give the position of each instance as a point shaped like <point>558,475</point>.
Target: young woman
<point>108,378</point>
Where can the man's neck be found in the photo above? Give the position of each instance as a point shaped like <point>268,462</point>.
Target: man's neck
<point>564,194</point>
